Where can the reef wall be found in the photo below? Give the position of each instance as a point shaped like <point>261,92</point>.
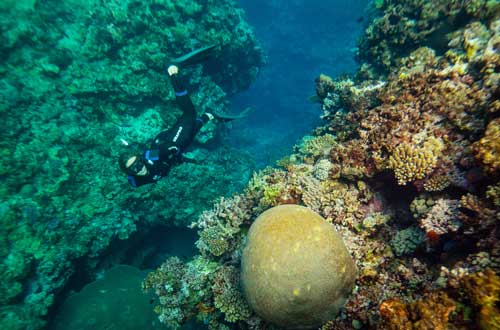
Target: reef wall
<point>75,77</point>
<point>406,168</point>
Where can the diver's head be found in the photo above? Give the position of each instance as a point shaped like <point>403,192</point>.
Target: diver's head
<point>132,162</point>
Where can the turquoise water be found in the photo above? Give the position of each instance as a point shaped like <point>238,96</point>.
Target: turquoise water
<point>370,130</point>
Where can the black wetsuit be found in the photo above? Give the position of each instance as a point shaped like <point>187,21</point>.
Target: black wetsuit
<point>167,147</point>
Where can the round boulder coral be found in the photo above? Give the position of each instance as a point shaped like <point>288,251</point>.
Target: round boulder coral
<point>296,271</point>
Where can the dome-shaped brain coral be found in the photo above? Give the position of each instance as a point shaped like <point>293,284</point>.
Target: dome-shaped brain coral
<point>296,271</point>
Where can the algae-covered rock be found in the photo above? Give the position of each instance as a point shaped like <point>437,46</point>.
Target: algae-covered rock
<point>296,271</point>
<point>75,77</point>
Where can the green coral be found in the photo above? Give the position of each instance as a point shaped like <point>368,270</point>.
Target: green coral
<point>406,241</point>
<point>215,241</point>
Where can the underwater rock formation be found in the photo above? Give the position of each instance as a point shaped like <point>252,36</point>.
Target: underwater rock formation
<point>295,269</point>
<point>76,76</point>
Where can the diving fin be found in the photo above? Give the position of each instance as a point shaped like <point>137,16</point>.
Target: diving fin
<point>196,56</point>
<point>228,117</point>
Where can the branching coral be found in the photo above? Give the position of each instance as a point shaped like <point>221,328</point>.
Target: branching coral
<point>227,296</point>
<point>317,146</point>
<point>404,25</point>
<point>412,163</point>
<point>221,225</point>
<point>181,288</point>
<point>487,150</point>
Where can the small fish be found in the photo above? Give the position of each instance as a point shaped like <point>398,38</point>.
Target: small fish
<point>360,19</point>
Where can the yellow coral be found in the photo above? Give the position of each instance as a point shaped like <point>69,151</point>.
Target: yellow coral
<point>487,150</point>
<point>437,183</point>
<point>484,290</point>
<point>412,163</point>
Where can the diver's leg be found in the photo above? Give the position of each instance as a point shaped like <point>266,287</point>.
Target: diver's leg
<point>182,96</point>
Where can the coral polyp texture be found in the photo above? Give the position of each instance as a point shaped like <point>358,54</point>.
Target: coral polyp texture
<point>295,269</point>
<point>76,76</point>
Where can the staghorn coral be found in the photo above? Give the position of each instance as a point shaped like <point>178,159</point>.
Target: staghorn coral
<point>437,183</point>
<point>487,149</point>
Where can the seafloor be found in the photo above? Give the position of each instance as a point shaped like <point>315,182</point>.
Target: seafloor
<point>405,165</point>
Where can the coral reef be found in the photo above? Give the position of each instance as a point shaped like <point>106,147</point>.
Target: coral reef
<point>405,172</point>
<point>403,26</point>
<point>76,77</point>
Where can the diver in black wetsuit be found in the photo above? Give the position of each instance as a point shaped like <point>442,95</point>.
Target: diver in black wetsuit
<point>166,149</point>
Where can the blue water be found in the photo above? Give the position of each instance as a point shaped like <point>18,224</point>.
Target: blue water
<point>302,38</point>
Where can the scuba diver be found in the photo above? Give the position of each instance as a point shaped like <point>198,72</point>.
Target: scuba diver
<point>166,149</point>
